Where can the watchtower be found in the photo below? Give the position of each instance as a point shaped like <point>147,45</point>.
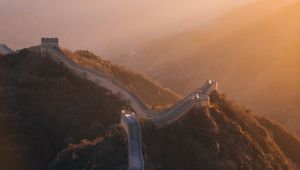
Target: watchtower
<point>49,42</point>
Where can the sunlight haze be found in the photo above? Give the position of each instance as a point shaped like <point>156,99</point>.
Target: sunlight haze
<point>104,26</point>
<point>149,84</point>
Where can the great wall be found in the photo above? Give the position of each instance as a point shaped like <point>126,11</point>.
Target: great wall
<point>129,119</point>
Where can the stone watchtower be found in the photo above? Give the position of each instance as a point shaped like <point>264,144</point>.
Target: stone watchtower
<point>49,42</point>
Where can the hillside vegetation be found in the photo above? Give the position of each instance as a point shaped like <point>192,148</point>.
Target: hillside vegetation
<point>109,152</point>
<point>253,53</point>
<point>149,91</point>
<point>285,140</point>
<point>53,119</point>
<point>225,138</point>
<point>44,108</point>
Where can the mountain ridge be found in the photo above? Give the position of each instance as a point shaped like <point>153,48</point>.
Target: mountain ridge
<point>51,88</point>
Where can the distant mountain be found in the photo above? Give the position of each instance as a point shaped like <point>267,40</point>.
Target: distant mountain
<point>4,49</point>
<point>253,53</point>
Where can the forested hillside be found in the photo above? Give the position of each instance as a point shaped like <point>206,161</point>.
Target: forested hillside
<point>227,137</point>
<point>44,108</point>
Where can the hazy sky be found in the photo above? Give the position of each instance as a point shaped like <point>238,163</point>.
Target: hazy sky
<point>104,26</point>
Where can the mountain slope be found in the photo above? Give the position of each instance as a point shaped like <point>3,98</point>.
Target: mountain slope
<point>149,91</point>
<point>107,152</point>
<point>225,138</point>
<point>256,62</point>
<point>51,118</point>
<point>288,143</point>
<point>44,108</point>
